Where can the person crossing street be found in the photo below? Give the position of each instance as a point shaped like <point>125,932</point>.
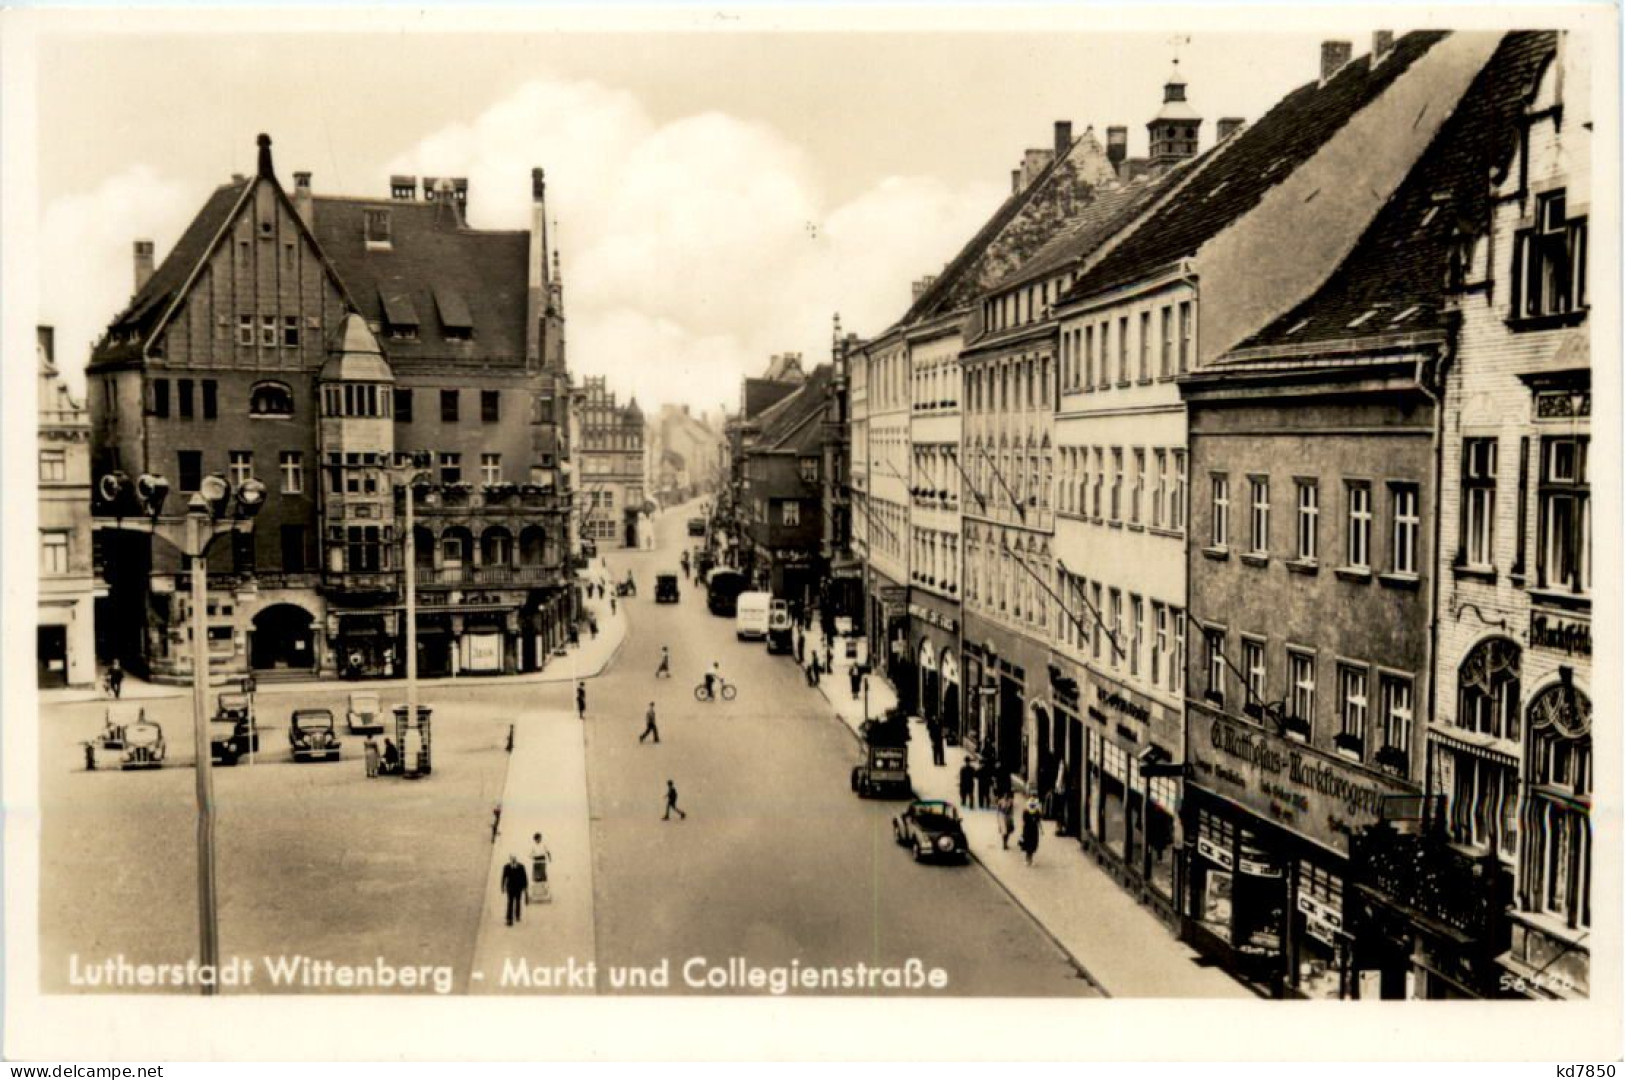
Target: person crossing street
<point>671,803</point>
<point>664,670</point>
<point>649,727</point>
<point>581,700</point>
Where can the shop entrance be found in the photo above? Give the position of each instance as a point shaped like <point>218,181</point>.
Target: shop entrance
<point>52,656</point>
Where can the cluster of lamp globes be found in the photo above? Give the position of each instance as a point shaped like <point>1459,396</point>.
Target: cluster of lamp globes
<point>147,493</point>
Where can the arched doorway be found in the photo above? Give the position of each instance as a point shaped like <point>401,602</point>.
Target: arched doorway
<point>1043,734</point>
<point>284,639</point>
<point>950,696</point>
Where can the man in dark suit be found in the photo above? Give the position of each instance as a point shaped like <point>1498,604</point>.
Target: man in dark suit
<point>515,883</point>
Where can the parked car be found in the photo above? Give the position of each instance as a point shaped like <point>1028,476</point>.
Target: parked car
<point>311,734</point>
<point>931,829</point>
<point>780,638</point>
<point>696,526</point>
<point>364,716</point>
<point>666,589</point>
<point>232,734</point>
<point>128,740</point>
<point>884,769</point>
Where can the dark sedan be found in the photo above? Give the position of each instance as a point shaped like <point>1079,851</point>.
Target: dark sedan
<point>932,830</point>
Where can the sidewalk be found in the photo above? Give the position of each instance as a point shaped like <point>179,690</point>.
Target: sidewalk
<point>545,792</point>
<point>583,661</point>
<point>1123,947</point>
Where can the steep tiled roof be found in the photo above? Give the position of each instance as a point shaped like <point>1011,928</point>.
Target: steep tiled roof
<point>435,269</point>
<point>1097,222</point>
<point>788,424</point>
<point>136,322</point>
<point>1393,281</point>
<point>1251,163</point>
<point>1052,196</point>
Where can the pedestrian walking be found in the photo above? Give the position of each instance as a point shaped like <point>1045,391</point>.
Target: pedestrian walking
<point>664,670</point>
<point>392,757</point>
<point>649,725</point>
<point>1006,807</point>
<point>1060,804</point>
<point>370,752</point>
<point>592,627</point>
<point>581,700</point>
<point>817,669</point>
<point>671,802</point>
<point>855,674</point>
<point>967,782</point>
<point>515,885</point>
<point>611,610</point>
<point>938,754</point>
<point>539,858</point>
<point>1031,820</point>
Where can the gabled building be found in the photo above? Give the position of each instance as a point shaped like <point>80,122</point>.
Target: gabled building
<point>1201,269</point>
<point>1314,578</point>
<point>318,344</point>
<point>781,499</point>
<point>610,454</point>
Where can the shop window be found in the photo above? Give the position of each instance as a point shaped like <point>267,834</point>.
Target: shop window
<point>1557,857</point>
<point>1488,682</point>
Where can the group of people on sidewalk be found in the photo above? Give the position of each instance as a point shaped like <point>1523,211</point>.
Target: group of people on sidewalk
<point>984,785</point>
<point>516,882</point>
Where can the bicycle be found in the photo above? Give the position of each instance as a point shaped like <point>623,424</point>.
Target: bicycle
<point>727,693</point>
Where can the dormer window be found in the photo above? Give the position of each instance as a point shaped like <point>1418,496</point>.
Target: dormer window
<point>400,315</point>
<point>377,222</point>
<point>270,399</point>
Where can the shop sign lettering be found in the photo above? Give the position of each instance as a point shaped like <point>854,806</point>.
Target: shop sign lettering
<point>1565,635</point>
<point>1113,700</point>
<point>1209,850</point>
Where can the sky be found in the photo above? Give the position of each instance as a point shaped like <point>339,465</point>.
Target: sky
<point>719,195</point>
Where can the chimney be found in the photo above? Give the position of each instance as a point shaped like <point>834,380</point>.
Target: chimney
<point>47,342</point>
<point>1382,43</point>
<point>1229,125</point>
<point>265,170</point>
<point>1117,145</point>
<point>303,204</point>
<point>1333,55</point>
<point>1015,181</point>
<point>404,188</point>
<point>1063,138</point>
<point>143,264</point>
<point>922,286</point>
<point>237,178</point>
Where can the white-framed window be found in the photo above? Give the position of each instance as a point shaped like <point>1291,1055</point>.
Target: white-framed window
<point>1176,672</point>
<point>1407,527</point>
<point>1115,625</point>
<point>53,553</point>
<point>1564,542</point>
<point>1478,477</point>
<point>268,330</point>
<point>1167,366</point>
<point>1137,635</point>
<point>1159,640</point>
<point>1095,631</point>
<point>291,464</point>
<point>1259,487</point>
<point>1354,707</point>
<point>1301,674</point>
<point>1359,525</point>
<point>1215,665</point>
<point>1308,521</point>
<point>1221,510</point>
<point>1117,483</point>
<point>1187,334</point>
<point>53,465</point>
<point>1252,664</point>
<point>1099,479</point>
<point>1137,492</point>
<point>1176,509</point>
<point>241,467</point>
<point>1396,711</point>
<point>245,329</point>
<point>791,512</point>
<point>451,468</point>
<point>1159,494</point>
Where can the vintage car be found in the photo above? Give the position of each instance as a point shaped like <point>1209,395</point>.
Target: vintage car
<point>130,741</point>
<point>884,769</point>
<point>232,734</point>
<point>780,624</point>
<point>364,716</point>
<point>311,734</point>
<point>932,830</point>
<point>666,589</point>
<point>696,526</point>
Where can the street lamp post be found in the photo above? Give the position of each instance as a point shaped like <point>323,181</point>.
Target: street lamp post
<point>408,475</point>
<point>197,516</point>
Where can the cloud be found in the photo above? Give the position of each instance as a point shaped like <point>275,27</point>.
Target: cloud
<point>83,288</point>
<point>693,250</point>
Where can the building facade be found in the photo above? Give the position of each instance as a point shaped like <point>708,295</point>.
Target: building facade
<point>1510,742</point>
<point>65,648</point>
<point>319,345</point>
<point>613,490</point>
<point>781,501</point>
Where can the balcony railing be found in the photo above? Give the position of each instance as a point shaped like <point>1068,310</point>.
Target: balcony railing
<point>1468,893</point>
<point>489,575</point>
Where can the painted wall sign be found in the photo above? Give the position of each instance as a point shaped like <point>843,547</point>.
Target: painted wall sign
<point>1286,782</point>
<point>1112,699</point>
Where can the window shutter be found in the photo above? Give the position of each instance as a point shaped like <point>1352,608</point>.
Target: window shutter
<point>1518,291</point>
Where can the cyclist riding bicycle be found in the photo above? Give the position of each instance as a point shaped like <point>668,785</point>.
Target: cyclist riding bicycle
<point>713,679</point>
